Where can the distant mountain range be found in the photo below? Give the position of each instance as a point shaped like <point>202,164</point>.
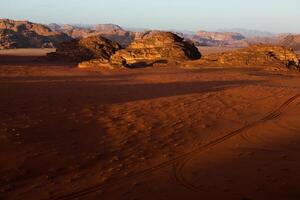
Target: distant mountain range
<point>25,34</point>
<point>249,33</point>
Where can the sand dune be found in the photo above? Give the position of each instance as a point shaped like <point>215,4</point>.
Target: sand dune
<point>154,133</point>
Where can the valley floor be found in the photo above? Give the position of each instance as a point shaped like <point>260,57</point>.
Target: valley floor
<point>153,133</point>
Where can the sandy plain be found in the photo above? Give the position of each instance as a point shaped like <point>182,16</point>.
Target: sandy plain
<point>152,133</point>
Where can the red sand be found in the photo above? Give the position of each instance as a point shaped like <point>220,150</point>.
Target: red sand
<point>154,133</point>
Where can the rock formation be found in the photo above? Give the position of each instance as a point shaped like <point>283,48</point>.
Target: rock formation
<point>155,47</point>
<point>94,47</point>
<point>24,34</point>
<point>256,55</point>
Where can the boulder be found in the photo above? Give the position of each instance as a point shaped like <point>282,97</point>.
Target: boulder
<point>155,47</point>
<point>94,47</point>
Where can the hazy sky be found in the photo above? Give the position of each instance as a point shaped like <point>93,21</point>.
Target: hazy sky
<point>270,15</point>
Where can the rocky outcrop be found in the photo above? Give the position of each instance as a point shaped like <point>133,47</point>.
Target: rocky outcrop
<point>154,47</point>
<point>24,34</point>
<point>94,47</point>
<point>256,55</point>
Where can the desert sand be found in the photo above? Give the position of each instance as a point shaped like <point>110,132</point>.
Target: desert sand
<point>152,133</point>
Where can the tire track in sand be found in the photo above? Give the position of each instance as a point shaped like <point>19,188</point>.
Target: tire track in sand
<point>178,167</point>
<point>180,161</point>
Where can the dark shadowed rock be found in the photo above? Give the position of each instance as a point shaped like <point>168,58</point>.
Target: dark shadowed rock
<point>86,49</point>
<point>9,39</point>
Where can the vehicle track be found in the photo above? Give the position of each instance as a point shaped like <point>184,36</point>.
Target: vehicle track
<point>180,161</point>
<point>179,167</point>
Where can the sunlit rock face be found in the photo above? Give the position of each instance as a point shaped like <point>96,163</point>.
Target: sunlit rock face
<point>156,46</point>
<point>256,55</point>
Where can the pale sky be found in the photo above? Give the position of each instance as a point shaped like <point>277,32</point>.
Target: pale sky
<point>268,15</point>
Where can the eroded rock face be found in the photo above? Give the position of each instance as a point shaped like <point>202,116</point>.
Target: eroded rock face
<point>156,46</point>
<point>24,34</point>
<point>256,55</point>
<point>94,47</point>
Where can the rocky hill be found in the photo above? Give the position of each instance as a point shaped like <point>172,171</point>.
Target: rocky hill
<point>152,47</point>
<point>25,34</point>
